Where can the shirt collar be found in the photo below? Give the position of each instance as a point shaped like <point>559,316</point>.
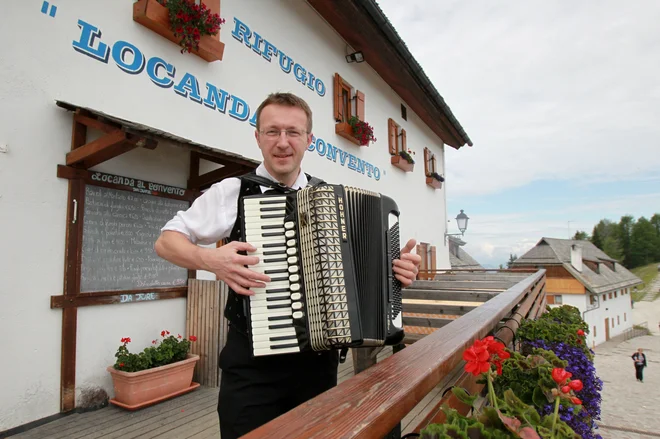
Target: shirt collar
<point>300,182</point>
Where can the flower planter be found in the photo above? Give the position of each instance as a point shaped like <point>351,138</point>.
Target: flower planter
<point>345,130</point>
<point>154,16</point>
<point>135,390</point>
<point>436,184</point>
<point>401,163</point>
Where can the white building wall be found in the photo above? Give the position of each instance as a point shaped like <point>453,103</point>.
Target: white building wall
<point>619,312</point>
<point>44,65</point>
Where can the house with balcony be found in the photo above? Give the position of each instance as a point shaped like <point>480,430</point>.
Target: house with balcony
<point>582,275</point>
<point>111,127</point>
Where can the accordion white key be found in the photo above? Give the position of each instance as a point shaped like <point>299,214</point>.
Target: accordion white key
<point>328,250</point>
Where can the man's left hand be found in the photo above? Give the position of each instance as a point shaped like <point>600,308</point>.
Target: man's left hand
<point>407,267</point>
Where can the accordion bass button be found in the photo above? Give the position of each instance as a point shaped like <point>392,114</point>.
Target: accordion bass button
<point>289,225</point>
<point>294,287</point>
<point>290,233</point>
<point>296,296</point>
<point>294,278</point>
<point>296,305</point>
<point>297,315</point>
<point>292,260</point>
<point>291,251</point>
<point>291,242</point>
<point>293,269</point>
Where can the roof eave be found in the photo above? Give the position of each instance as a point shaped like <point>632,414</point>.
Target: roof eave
<point>364,26</point>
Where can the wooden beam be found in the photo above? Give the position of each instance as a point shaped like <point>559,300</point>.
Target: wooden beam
<point>464,285</point>
<point>449,295</point>
<point>94,123</point>
<point>114,297</point>
<point>364,358</point>
<point>427,322</point>
<point>110,145</point>
<point>211,177</point>
<point>437,308</point>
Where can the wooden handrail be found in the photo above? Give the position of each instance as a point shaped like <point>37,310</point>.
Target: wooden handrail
<point>373,402</point>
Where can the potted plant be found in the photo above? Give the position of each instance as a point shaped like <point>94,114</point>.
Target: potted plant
<point>434,180</point>
<point>505,414</point>
<point>356,130</point>
<point>159,372</point>
<point>404,160</point>
<point>193,27</point>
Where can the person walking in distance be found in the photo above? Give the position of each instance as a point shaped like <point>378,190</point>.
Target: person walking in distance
<point>253,391</point>
<point>639,358</point>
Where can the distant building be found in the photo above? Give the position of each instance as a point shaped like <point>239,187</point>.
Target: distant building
<point>581,275</point>
<point>459,258</point>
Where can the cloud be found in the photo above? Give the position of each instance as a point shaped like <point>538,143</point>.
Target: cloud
<point>546,90</point>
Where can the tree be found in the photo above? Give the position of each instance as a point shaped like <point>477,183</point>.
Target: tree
<point>596,238</point>
<point>644,242</point>
<point>512,258</point>
<point>581,236</point>
<point>625,234</point>
<point>655,222</point>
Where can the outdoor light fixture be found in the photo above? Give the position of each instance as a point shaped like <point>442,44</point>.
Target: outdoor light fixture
<point>462,221</point>
<point>355,57</point>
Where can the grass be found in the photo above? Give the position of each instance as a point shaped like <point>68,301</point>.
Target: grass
<point>646,273</point>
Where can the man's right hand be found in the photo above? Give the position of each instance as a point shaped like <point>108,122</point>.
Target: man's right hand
<point>230,268</point>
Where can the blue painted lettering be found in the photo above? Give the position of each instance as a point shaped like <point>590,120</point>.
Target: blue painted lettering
<point>239,108</point>
<point>257,43</point>
<point>269,50</point>
<point>85,44</point>
<point>189,84</point>
<point>216,99</point>
<point>241,32</point>
<point>152,71</point>
<point>119,50</point>
<point>320,147</point>
<point>283,57</point>
<point>332,153</point>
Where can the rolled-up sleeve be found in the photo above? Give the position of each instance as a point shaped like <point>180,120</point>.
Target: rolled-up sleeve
<point>211,216</point>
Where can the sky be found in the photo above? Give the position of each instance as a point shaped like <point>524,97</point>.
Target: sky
<point>561,100</point>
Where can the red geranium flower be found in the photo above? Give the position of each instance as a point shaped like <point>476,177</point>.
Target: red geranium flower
<point>575,385</point>
<point>560,375</point>
<point>565,389</point>
<point>580,332</point>
<point>193,338</point>
<point>576,401</point>
<point>477,360</point>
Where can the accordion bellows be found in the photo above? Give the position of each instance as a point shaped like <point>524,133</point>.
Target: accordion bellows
<point>328,250</point>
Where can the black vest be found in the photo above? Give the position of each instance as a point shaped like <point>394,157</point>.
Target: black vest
<point>236,307</point>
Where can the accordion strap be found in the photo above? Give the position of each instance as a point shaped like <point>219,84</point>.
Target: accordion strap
<point>279,187</point>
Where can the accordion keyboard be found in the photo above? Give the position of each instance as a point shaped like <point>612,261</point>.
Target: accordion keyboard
<point>273,307</point>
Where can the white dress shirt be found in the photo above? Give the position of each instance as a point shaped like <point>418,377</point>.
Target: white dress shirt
<point>212,215</point>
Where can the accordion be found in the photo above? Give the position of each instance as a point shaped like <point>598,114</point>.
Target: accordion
<point>328,251</point>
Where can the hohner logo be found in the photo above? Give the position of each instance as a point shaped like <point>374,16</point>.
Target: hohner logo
<point>342,218</point>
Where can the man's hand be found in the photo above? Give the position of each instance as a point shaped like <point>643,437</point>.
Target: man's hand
<point>407,267</point>
<point>229,266</point>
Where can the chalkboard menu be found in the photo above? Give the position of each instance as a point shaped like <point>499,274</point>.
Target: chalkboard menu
<point>119,232</point>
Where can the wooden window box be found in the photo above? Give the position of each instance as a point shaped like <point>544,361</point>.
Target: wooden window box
<point>345,130</point>
<point>153,15</point>
<point>401,163</point>
<point>434,183</point>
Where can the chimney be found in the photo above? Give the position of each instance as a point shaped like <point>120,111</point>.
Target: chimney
<point>576,257</point>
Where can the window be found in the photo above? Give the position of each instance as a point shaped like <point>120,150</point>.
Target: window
<point>404,112</point>
<point>592,299</point>
<point>347,103</point>
<point>624,317</point>
<point>612,323</point>
<point>429,162</point>
<point>397,137</point>
<point>604,297</point>
<point>618,321</point>
<point>610,295</point>
<point>559,300</point>
<point>594,332</point>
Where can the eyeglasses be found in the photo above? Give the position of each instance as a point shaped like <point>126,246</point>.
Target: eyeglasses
<point>292,134</point>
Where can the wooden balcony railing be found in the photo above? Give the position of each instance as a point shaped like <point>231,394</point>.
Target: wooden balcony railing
<point>373,402</point>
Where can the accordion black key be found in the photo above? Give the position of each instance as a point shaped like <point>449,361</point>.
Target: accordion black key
<point>328,251</point>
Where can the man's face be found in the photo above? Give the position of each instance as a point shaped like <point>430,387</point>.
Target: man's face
<point>283,151</point>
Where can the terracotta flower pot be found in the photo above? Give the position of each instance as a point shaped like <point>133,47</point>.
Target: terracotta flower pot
<point>134,390</point>
<point>345,130</point>
<point>402,163</point>
<point>436,184</point>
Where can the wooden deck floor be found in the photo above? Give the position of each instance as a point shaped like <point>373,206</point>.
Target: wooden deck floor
<point>192,415</point>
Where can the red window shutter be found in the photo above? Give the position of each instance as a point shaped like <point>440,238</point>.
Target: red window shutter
<point>435,165</point>
<point>360,104</point>
<point>339,108</point>
<point>404,141</point>
<point>391,131</point>
<point>426,161</point>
